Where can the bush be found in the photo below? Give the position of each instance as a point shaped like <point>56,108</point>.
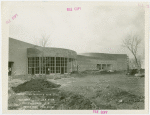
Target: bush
<point>132,72</point>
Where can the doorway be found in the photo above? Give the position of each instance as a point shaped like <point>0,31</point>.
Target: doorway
<point>32,71</point>
<point>47,70</point>
<point>10,66</point>
<point>62,70</point>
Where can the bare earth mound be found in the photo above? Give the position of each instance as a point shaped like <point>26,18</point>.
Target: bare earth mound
<point>34,85</point>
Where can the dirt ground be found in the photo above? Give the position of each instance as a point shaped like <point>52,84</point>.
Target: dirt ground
<point>114,91</point>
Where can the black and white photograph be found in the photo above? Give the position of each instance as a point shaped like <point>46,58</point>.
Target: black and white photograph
<point>76,56</point>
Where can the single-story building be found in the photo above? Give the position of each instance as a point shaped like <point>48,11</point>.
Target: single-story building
<point>26,58</point>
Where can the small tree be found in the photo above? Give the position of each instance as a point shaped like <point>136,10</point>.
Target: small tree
<point>132,44</point>
<point>43,42</point>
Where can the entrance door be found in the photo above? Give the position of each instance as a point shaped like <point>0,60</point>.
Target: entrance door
<point>10,65</point>
<point>32,71</point>
<point>62,70</point>
<point>47,70</point>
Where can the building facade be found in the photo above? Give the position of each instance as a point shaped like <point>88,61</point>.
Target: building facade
<point>25,58</point>
<point>44,60</point>
<point>102,61</point>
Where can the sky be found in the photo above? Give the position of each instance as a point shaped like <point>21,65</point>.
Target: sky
<point>93,28</point>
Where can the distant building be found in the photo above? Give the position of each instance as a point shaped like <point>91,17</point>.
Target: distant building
<point>25,58</point>
<point>102,61</point>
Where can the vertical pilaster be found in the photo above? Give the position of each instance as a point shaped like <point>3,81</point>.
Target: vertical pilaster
<point>34,64</point>
<point>27,66</point>
<point>67,64</point>
<point>76,65</point>
<point>42,65</point>
<point>39,65</point>
<point>71,64</point>
<point>45,64</point>
<point>55,64</point>
<point>60,65</point>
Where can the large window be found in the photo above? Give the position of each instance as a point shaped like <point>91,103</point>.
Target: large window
<point>98,66</point>
<point>29,65</point>
<point>58,64</point>
<point>52,65</point>
<point>65,65</point>
<point>46,65</point>
<point>33,65</point>
<point>37,65</point>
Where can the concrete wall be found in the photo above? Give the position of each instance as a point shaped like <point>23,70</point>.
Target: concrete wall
<point>92,64</point>
<point>18,55</point>
<point>121,63</point>
<point>72,66</point>
<point>88,63</point>
<point>19,51</point>
<point>55,52</point>
<point>51,52</point>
